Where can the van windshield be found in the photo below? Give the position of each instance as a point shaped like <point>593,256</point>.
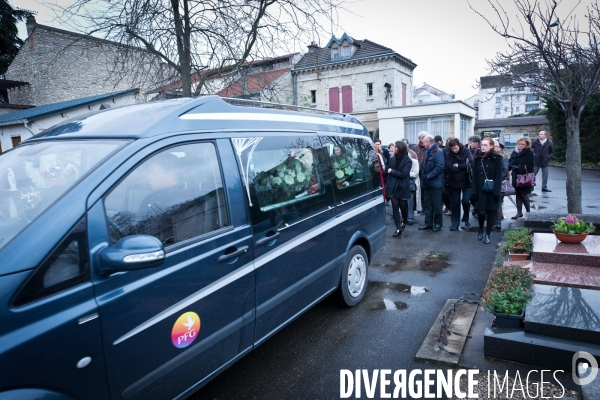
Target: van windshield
<point>34,176</point>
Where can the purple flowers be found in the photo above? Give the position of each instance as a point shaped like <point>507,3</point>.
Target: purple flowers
<point>571,219</point>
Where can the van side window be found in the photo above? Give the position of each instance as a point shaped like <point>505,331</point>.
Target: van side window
<point>286,178</point>
<point>67,266</point>
<point>174,195</point>
<point>354,166</point>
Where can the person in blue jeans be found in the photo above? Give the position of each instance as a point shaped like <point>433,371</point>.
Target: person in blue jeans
<point>459,181</point>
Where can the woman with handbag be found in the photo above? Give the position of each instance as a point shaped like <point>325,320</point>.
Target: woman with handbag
<point>398,184</point>
<point>521,164</point>
<point>487,183</point>
<point>459,161</point>
<point>498,148</point>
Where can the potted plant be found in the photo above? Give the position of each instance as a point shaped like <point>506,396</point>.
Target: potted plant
<point>517,243</point>
<point>571,229</point>
<point>506,294</point>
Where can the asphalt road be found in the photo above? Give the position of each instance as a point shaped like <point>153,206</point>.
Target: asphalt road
<point>304,360</point>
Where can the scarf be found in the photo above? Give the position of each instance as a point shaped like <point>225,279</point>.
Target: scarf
<point>429,150</point>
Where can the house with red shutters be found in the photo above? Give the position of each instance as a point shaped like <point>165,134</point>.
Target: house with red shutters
<point>353,76</point>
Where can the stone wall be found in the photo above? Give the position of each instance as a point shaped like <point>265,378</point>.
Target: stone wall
<point>61,65</point>
<point>533,130</point>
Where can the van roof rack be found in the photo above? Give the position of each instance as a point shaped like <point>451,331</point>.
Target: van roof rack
<point>277,106</point>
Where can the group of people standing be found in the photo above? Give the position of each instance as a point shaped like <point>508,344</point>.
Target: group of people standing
<point>463,175</point>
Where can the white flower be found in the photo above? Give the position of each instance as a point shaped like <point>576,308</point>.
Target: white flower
<point>280,168</point>
<point>298,166</point>
<point>276,181</point>
<point>336,165</point>
<point>291,173</point>
<point>339,174</point>
<point>349,170</point>
<point>281,175</point>
<point>342,162</point>
<point>300,177</point>
<point>289,180</point>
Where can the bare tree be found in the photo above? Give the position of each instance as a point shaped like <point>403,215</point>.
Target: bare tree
<point>203,37</point>
<point>560,60</point>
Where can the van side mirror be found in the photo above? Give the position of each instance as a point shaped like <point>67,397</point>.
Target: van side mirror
<point>131,253</point>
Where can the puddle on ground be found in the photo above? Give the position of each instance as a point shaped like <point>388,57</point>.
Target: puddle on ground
<point>429,261</point>
<point>379,295</point>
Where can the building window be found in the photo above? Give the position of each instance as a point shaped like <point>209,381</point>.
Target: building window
<point>369,89</point>
<point>345,51</point>
<point>498,99</point>
<point>520,88</point>
<point>15,140</point>
<point>335,53</point>
<point>313,96</point>
<point>498,90</point>
<point>505,109</point>
<point>531,107</point>
<point>518,109</point>
<point>518,97</point>
<point>498,110</point>
<point>532,97</point>
<point>505,98</point>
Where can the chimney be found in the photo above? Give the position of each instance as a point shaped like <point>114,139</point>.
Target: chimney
<point>312,47</point>
<point>30,24</point>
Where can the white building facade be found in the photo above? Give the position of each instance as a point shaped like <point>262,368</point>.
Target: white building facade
<point>500,98</point>
<point>353,76</point>
<point>447,119</point>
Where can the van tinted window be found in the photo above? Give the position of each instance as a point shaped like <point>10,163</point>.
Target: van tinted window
<point>286,177</point>
<point>66,266</point>
<point>354,166</point>
<point>174,195</point>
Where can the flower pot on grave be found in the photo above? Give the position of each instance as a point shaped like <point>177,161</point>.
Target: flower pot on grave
<point>509,321</point>
<point>518,256</point>
<point>571,239</point>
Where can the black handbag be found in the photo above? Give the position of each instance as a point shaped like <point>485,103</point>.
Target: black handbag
<point>488,184</point>
<point>413,185</point>
<point>469,173</point>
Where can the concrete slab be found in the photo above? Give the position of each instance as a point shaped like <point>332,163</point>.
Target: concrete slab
<point>546,248</point>
<point>449,355</point>
<point>564,312</point>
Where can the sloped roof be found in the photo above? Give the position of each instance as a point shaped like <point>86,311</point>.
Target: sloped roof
<point>340,40</point>
<point>366,48</point>
<point>504,122</point>
<point>256,83</point>
<point>34,113</point>
<point>176,84</point>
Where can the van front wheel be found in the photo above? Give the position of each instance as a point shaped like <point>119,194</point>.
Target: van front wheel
<point>353,284</point>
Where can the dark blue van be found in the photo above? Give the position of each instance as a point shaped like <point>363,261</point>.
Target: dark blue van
<point>145,249</point>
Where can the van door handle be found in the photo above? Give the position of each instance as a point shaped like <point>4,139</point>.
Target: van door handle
<point>268,239</point>
<point>235,254</point>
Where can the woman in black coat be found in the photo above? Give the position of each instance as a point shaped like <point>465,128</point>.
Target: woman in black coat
<point>487,165</point>
<point>521,162</point>
<point>457,157</point>
<point>398,184</point>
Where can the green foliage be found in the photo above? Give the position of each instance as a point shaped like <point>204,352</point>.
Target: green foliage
<point>508,289</point>
<point>517,115</point>
<point>516,241</point>
<point>572,225</point>
<point>533,112</point>
<point>9,39</point>
<point>589,130</point>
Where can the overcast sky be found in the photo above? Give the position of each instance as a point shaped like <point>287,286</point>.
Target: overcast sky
<point>445,38</point>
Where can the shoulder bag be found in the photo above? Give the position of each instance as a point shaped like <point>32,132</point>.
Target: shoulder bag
<point>526,180</point>
<point>488,184</point>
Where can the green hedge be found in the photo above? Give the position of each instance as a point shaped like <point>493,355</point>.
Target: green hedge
<point>589,130</point>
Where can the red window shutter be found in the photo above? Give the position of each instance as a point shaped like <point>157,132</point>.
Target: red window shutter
<point>346,99</point>
<point>404,94</point>
<point>334,99</point>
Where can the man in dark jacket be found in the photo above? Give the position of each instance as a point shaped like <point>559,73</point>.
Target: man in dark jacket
<point>544,152</point>
<point>432,183</point>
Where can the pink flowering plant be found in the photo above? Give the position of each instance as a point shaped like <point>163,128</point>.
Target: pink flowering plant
<point>572,225</point>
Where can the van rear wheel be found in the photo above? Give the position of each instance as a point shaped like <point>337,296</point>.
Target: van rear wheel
<point>353,284</point>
